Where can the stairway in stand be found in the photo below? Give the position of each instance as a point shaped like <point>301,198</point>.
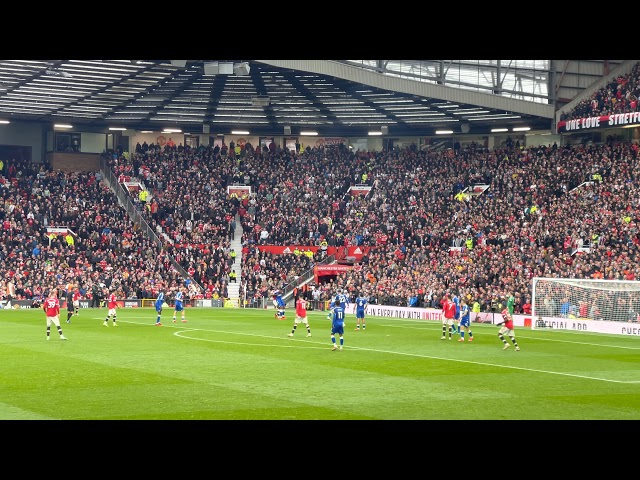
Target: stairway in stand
<point>236,245</point>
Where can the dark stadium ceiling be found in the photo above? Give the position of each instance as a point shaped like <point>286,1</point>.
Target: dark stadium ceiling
<point>247,95</point>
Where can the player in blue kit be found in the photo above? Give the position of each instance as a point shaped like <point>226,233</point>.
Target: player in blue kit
<point>158,305</point>
<point>332,304</point>
<point>342,298</point>
<point>361,305</point>
<point>337,326</point>
<point>179,306</point>
<point>465,321</point>
<point>279,304</point>
<point>456,319</point>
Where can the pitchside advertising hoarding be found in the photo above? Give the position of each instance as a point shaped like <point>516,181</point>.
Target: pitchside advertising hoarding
<point>82,304</point>
<point>604,121</point>
<point>526,321</point>
<point>435,315</point>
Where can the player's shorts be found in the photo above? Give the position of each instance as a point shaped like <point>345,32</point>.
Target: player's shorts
<point>359,313</point>
<point>179,307</point>
<point>465,322</point>
<point>447,321</point>
<point>76,304</point>
<point>507,331</point>
<point>337,330</point>
<point>55,320</point>
<point>159,309</point>
<point>301,320</point>
<point>112,311</point>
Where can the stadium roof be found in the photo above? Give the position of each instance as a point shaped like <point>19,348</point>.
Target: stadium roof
<point>333,98</point>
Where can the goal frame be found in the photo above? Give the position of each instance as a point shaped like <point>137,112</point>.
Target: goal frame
<point>148,302</point>
<point>585,283</point>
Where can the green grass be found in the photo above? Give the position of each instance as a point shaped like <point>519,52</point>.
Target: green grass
<point>239,364</point>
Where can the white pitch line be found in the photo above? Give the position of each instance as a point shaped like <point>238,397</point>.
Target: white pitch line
<point>533,338</point>
<point>349,347</point>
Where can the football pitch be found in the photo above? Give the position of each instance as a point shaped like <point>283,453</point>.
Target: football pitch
<point>230,364</point>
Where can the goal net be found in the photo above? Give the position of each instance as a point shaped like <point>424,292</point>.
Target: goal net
<point>584,299</point>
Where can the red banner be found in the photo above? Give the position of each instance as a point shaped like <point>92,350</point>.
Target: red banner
<point>239,190</point>
<point>605,121</point>
<point>333,269</point>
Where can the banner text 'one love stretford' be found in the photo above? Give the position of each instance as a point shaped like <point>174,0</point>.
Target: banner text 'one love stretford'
<point>605,121</point>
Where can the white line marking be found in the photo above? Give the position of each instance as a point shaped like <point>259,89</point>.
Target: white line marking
<point>349,347</point>
<point>518,336</point>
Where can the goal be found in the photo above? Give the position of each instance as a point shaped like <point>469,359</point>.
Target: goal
<point>585,299</point>
<point>148,302</point>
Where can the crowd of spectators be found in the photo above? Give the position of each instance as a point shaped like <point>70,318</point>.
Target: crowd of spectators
<point>620,95</point>
<point>541,205</point>
<point>96,243</point>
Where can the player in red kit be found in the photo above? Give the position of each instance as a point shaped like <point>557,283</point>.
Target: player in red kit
<point>301,316</point>
<point>111,305</point>
<point>51,307</point>
<point>448,315</point>
<point>507,329</point>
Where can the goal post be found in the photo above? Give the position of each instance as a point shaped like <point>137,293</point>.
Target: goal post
<point>151,302</point>
<point>148,302</point>
<point>584,299</point>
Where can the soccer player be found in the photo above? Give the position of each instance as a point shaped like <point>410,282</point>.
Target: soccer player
<point>112,304</point>
<point>11,292</point>
<point>51,307</point>
<point>279,304</point>
<point>465,321</point>
<point>69,303</point>
<point>76,301</point>
<point>456,319</point>
<point>337,326</point>
<point>343,299</point>
<point>448,315</point>
<point>158,305</point>
<point>330,311</point>
<point>361,305</point>
<point>301,316</point>
<point>507,329</point>
<point>179,306</point>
